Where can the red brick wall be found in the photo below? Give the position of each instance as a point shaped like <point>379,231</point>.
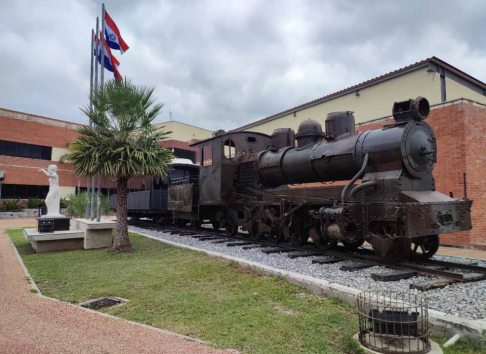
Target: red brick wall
<point>475,142</point>
<point>29,132</point>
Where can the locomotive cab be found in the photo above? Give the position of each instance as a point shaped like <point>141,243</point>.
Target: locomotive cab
<point>219,158</point>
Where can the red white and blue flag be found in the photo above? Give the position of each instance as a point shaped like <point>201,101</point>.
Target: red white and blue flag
<point>111,63</point>
<point>113,36</point>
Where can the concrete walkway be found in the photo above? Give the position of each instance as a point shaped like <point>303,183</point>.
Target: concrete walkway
<point>35,324</point>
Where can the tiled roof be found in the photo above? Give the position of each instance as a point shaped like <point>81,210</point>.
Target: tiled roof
<point>363,84</point>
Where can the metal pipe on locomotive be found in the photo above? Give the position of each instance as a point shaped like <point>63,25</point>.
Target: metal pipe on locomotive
<point>396,204</point>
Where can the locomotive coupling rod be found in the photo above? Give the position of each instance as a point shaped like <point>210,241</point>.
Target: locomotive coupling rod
<point>355,178</point>
<point>290,212</point>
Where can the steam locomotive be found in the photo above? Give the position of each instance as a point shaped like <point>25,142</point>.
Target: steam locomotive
<point>260,183</point>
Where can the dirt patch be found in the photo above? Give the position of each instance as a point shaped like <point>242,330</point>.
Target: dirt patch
<point>285,311</point>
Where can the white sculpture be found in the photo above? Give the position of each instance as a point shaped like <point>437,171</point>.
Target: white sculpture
<point>53,199</point>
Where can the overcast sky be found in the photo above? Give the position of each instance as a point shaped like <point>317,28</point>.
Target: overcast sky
<point>223,64</point>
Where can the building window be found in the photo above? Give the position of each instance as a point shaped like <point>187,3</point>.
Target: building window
<point>12,148</point>
<point>23,191</point>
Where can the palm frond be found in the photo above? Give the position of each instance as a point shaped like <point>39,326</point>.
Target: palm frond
<point>123,141</point>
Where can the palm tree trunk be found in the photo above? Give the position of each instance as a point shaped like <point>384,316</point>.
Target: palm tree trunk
<point>121,241</point>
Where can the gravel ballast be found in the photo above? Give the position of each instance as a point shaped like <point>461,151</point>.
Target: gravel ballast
<point>467,300</point>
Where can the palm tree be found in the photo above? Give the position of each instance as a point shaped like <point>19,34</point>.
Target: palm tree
<point>122,144</point>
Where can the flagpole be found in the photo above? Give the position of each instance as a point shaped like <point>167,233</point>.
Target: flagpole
<point>98,201</point>
<point>92,203</point>
<point>90,96</point>
<point>102,45</point>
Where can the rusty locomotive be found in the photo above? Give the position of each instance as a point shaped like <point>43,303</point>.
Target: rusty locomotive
<point>303,187</point>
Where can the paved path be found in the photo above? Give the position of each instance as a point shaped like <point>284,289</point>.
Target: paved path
<point>33,324</point>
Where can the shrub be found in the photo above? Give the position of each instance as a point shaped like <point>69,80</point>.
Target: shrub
<point>64,202</point>
<point>77,205</point>
<point>33,203</point>
<point>11,205</point>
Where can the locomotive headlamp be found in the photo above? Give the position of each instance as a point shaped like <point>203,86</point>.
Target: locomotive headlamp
<point>417,109</point>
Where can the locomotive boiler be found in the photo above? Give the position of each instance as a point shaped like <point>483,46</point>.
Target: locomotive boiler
<point>327,187</point>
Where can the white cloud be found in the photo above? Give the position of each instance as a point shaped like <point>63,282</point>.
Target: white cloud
<point>225,64</point>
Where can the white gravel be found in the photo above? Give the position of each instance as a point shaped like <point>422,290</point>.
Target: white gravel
<point>466,300</point>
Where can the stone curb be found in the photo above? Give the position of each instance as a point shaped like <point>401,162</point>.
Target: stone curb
<point>32,283</point>
<point>441,324</point>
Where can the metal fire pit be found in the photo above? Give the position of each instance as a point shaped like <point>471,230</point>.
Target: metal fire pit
<point>393,322</point>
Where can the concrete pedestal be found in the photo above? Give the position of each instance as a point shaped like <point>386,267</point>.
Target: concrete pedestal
<point>97,234</point>
<point>54,241</point>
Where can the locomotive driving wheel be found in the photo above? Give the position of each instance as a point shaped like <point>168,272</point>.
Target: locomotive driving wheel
<point>352,245</point>
<point>231,226</point>
<point>320,241</point>
<point>424,247</point>
<point>297,233</point>
<point>275,236</point>
<point>216,225</point>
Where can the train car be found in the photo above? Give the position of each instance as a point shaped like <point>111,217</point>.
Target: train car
<point>152,201</point>
<point>247,180</point>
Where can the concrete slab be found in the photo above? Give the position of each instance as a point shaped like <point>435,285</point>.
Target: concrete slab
<point>408,346</point>
<point>33,234</point>
<point>84,224</point>
<point>96,234</point>
<point>55,241</point>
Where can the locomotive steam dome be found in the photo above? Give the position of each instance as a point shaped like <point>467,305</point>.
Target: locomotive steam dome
<point>309,132</point>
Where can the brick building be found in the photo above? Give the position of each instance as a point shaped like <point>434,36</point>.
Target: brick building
<point>29,142</point>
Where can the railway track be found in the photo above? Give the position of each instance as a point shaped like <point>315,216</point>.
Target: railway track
<point>444,273</point>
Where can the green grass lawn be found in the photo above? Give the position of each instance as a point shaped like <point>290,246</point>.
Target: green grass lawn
<point>200,296</point>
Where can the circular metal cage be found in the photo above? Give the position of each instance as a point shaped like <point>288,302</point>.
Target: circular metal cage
<point>393,322</point>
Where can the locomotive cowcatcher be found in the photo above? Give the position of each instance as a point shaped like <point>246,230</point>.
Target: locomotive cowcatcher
<point>257,182</point>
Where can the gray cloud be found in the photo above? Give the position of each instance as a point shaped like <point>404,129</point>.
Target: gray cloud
<point>223,64</point>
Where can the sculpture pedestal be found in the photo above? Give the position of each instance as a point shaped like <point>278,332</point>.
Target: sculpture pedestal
<point>97,234</point>
<point>52,224</point>
<point>54,241</point>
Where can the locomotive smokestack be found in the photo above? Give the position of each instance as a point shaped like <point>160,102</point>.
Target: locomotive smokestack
<point>417,109</point>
